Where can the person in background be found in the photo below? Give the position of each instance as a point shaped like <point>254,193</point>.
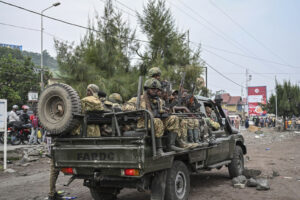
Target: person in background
<point>24,117</point>
<point>247,123</point>
<point>34,128</point>
<point>12,116</point>
<point>237,122</point>
<point>261,121</point>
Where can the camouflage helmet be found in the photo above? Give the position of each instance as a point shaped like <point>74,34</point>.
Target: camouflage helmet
<point>152,83</point>
<point>154,71</point>
<point>115,98</point>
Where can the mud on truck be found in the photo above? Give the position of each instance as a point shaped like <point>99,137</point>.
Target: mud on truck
<point>128,159</point>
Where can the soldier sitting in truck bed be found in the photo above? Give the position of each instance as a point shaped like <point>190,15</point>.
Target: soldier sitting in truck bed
<point>162,121</point>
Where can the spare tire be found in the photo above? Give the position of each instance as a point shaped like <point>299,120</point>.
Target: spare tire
<point>57,106</point>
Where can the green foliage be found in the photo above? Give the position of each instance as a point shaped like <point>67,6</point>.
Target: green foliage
<point>48,61</point>
<point>102,58</point>
<point>17,76</point>
<point>288,100</point>
<point>168,48</point>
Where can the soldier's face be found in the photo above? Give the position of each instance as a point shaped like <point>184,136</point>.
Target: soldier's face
<point>157,77</point>
<point>153,92</point>
<point>89,92</point>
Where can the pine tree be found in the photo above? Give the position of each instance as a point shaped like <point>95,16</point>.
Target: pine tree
<point>167,48</point>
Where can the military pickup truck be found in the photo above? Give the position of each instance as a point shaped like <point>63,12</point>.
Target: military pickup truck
<point>128,158</point>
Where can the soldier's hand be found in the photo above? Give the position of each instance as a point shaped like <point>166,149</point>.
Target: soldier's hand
<point>207,120</point>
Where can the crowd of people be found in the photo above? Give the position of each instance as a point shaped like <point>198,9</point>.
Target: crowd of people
<point>264,122</point>
<point>292,123</point>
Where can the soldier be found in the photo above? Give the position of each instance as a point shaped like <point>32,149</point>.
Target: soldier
<point>92,103</point>
<point>151,102</point>
<point>210,121</point>
<point>154,72</point>
<point>89,103</point>
<point>165,96</point>
<point>213,125</point>
<point>116,100</point>
<point>193,123</point>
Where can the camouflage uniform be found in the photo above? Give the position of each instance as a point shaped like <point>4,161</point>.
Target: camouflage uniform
<point>210,122</point>
<point>92,103</point>
<point>170,123</point>
<point>54,172</point>
<point>116,100</point>
<point>154,71</point>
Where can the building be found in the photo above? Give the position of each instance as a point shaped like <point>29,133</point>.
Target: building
<point>233,104</point>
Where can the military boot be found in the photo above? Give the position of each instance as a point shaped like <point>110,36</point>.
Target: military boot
<point>196,135</point>
<point>171,142</point>
<point>182,144</point>
<point>190,135</point>
<point>159,147</point>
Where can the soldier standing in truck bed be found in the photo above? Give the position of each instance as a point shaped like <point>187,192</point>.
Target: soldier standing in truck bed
<point>170,123</point>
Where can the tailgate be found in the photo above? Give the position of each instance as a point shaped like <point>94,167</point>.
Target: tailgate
<point>105,152</point>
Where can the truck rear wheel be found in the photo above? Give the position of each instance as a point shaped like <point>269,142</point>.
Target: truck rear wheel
<point>57,106</point>
<point>104,193</point>
<point>178,182</point>
<point>236,167</point>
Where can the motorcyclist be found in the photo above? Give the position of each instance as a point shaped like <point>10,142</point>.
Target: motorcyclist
<point>12,116</point>
<point>24,116</point>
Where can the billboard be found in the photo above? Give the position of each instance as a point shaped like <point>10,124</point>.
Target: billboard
<point>12,46</point>
<point>256,96</point>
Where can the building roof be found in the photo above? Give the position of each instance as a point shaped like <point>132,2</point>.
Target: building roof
<point>234,100</point>
<point>225,97</point>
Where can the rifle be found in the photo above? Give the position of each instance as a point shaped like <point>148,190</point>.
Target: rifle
<point>138,102</point>
<point>181,89</point>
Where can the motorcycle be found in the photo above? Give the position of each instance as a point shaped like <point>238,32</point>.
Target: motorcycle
<point>19,133</point>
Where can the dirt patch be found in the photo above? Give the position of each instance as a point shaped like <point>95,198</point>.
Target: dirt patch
<point>271,152</point>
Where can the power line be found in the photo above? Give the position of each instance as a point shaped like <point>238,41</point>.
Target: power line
<point>124,5</point>
<point>223,35</point>
<point>210,23</point>
<point>247,32</point>
<point>208,46</point>
<point>120,9</point>
<point>59,20</point>
<point>31,29</point>
<point>251,57</point>
<point>236,64</point>
<point>91,29</point>
<point>224,75</point>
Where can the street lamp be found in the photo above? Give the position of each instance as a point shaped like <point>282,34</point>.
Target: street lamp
<point>42,29</point>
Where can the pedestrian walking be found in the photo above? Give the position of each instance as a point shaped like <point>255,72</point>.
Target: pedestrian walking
<point>34,128</point>
<point>237,122</point>
<point>247,122</point>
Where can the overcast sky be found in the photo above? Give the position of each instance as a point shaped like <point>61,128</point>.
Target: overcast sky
<point>261,35</point>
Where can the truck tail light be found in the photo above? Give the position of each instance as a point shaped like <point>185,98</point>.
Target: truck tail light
<point>131,172</point>
<point>68,170</point>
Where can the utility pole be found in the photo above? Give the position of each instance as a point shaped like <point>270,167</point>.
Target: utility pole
<point>276,100</point>
<point>42,29</point>
<point>247,107</point>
